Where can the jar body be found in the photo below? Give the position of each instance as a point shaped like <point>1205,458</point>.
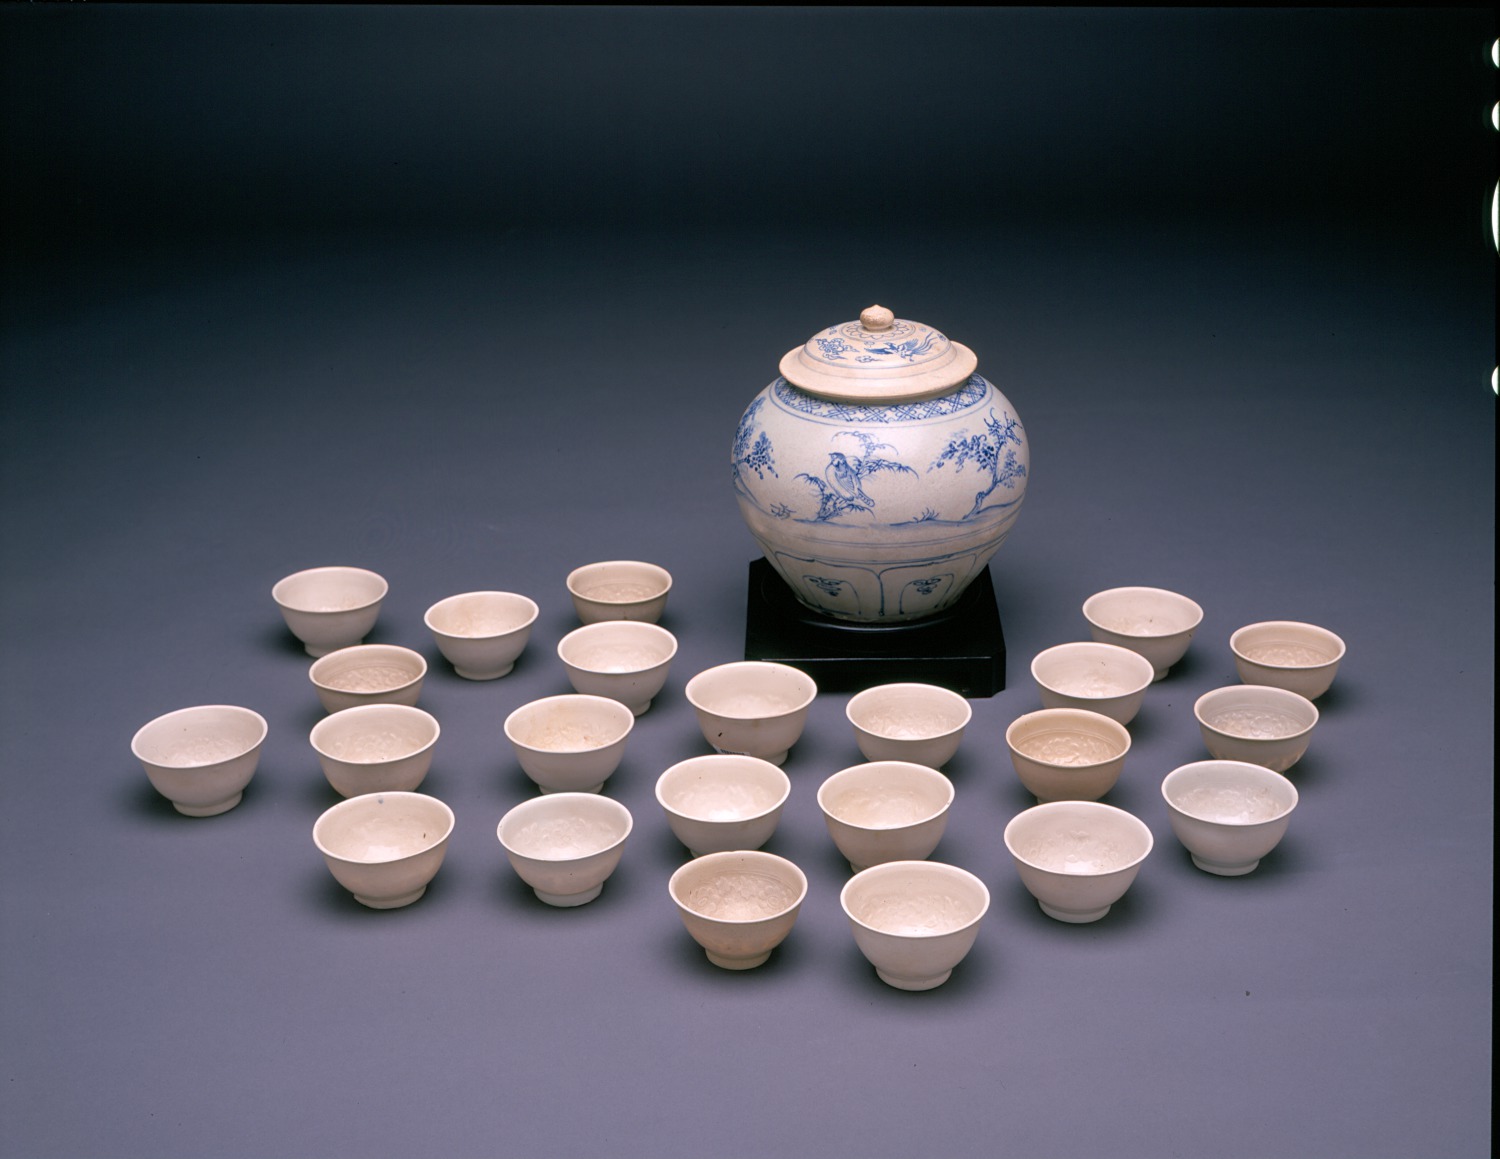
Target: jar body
<point>880,513</point>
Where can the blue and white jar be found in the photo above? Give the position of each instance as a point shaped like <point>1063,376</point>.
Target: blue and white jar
<point>879,472</point>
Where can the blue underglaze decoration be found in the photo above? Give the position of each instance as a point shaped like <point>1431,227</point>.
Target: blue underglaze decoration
<point>991,452</point>
<point>927,586</point>
<point>829,587</point>
<point>841,490</point>
<point>971,394</point>
<point>758,456</point>
<point>908,350</point>
<point>833,348</point>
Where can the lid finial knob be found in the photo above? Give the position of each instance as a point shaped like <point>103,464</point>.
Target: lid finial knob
<point>876,318</point>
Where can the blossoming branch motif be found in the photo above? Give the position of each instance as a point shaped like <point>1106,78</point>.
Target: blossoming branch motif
<point>991,452</point>
<point>832,347</point>
<point>759,456</point>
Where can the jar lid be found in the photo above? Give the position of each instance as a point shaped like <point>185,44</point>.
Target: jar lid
<point>879,358</point>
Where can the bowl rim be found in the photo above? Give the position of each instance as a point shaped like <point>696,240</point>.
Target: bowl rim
<point>697,864</point>
<point>363,801</point>
<point>262,729</point>
<point>614,707</point>
<point>436,631</point>
<point>392,651</point>
<point>926,773</point>
<point>1270,691</point>
<point>1132,660</point>
<point>947,695</point>
<point>925,868</point>
<point>359,711</point>
<point>722,760</point>
<point>1299,625</point>
<point>811,688</point>
<point>1113,811</point>
<point>1181,600</point>
<point>588,800</point>
<point>1029,717</point>
<point>1257,772</point>
<point>654,569</point>
<point>278,588</point>
<point>634,627</point>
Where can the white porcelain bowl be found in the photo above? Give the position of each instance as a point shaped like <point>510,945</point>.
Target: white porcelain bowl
<point>1301,658</point>
<point>1228,814</point>
<point>1077,858</point>
<point>201,758</point>
<point>1256,723</point>
<point>384,848</point>
<point>482,634</point>
<point>570,743</point>
<point>738,905</point>
<point>722,802</point>
<point>330,607</point>
<point>625,660</point>
<point>619,589</point>
<point>914,920</point>
<point>368,674</point>
<point>565,845</point>
<point>752,706</point>
<point>1152,621</point>
<point>375,748</point>
<point>885,811</point>
<point>1102,678</point>
<point>921,723</point>
<point>1067,754</point>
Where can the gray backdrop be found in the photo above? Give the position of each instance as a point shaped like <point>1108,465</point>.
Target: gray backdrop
<point>471,296</point>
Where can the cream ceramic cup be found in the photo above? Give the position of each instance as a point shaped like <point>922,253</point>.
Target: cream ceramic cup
<point>722,802</point>
<point>330,607</point>
<point>384,848</point>
<point>619,589</point>
<point>625,660</point>
<point>752,706</point>
<point>738,905</point>
<point>914,920</point>
<point>1067,754</point>
<point>921,723</point>
<point>885,811</point>
<point>368,674</point>
<point>482,634</point>
<point>565,845</point>
<point>1256,723</point>
<point>1152,621</point>
<point>1301,658</point>
<point>201,758</point>
<point>1103,678</point>
<point>571,743</point>
<point>1077,858</point>
<point>375,748</point>
<point>1228,814</point>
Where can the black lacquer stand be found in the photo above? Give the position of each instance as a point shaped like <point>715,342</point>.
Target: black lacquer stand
<point>962,649</point>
